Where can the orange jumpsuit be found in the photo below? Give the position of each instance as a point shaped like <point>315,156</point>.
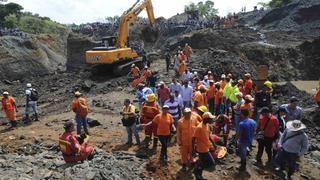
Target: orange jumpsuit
<point>135,71</point>
<point>9,108</point>
<point>185,133</point>
<point>223,84</point>
<point>148,112</point>
<point>147,74</point>
<point>196,116</point>
<point>182,68</point>
<point>198,97</point>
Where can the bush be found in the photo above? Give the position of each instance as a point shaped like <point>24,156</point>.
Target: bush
<point>33,24</point>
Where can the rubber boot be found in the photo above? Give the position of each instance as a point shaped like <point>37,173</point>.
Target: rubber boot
<point>155,143</point>
<point>243,166</point>
<point>36,117</point>
<point>27,119</point>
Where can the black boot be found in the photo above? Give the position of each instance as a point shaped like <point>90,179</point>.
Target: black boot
<point>155,143</point>
<point>243,166</point>
<point>27,119</point>
<point>36,117</point>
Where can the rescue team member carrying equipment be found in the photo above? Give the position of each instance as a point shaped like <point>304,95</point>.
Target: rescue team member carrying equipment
<point>71,147</point>
<point>10,108</point>
<point>149,110</point>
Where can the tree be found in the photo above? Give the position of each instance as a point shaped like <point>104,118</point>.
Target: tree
<point>204,9</point>
<point>7,9</point>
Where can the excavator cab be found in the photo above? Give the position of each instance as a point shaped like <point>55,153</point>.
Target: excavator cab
<point>107,43</point>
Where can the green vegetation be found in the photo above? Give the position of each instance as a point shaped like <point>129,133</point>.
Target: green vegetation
<point>204,9</point>
<point>12,17</point>
<point>275,3</point>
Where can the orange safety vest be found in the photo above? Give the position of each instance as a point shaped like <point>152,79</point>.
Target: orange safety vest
<point>148,112</point>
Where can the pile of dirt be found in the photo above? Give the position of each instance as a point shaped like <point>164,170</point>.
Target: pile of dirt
<point>300,15</point>
<point>36,55</point>
<point>50,165</point>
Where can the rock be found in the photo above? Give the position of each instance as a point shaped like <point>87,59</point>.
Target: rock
<point>53,89</point>
<point>93,122</point>
<point>7,82</point>
<point>22,137</point>
<point>316,155</point>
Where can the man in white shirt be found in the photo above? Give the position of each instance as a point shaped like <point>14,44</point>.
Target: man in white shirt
<point>186,94</point>
<point>31,102</point>
<point>186,75</point>
<point>175,86</point>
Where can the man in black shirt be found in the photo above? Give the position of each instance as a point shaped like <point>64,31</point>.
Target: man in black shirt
<point>262,99</point>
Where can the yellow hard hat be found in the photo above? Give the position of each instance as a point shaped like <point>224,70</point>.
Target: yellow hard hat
<point>268,84</point>
<point>151,98</point>
<point>203,109</point>
<point>207,115</point>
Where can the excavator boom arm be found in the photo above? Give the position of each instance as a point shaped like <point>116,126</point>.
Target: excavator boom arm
<point>130,16</point>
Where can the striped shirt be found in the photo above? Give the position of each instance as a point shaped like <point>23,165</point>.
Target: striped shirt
<point>173,108</point>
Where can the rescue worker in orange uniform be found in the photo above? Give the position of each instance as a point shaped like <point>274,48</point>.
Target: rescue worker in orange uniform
<point>147,74</point>
<point>135,71</point>
<point>187,50</point>
<point>248,100</point>
<point>200,98</point>
<point>149,110</point>
<point>247,84</point>
<point>222,125</point>
<point>185,131</point>
<point>218,100</point>
<point>74,148</point>
<point>317,95</point>
<point>223,81</point>
<point>210,95</point>
<point>80,108</point>
<point>182,68</point>
<point>199,111</point>
<point>165,124</point>
<point>10,108</point>
<point>201,143</point>
<point>197,83</point>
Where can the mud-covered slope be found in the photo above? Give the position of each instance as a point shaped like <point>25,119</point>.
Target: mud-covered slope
<point>300,15</point>
<point>35,55</point>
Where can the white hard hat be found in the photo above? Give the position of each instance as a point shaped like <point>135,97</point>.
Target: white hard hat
<point>5,93</point>
<point>29,85</point>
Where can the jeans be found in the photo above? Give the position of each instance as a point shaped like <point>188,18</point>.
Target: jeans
<point>187,104</point>
<point>211,105</point>
<point>286,158</point>
<point>33,106</point>
<point>82,121</point>
<point>205,161</point>
<point>164,146</point>
<point>132,130</point>
<point>242,153</point>
<point>266,144</point>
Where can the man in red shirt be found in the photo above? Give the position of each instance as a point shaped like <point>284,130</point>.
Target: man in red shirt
<point>222,126</point>
<point>268,125</point>
<point>163,93</point>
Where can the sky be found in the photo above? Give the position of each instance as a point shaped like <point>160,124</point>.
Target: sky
<point>83,11</point>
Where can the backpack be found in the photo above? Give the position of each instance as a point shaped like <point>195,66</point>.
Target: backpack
<point>34,96</point>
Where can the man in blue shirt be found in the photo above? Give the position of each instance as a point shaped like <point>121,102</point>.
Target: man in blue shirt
<point>245,133</point>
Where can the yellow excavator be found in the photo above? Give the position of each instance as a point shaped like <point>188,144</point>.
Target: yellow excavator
<point>115,52</point>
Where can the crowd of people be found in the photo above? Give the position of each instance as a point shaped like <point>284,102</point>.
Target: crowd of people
<point>200,113</point>
<point>12,32</point>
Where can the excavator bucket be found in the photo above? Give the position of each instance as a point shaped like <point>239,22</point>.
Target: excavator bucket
<point>149,35</point>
